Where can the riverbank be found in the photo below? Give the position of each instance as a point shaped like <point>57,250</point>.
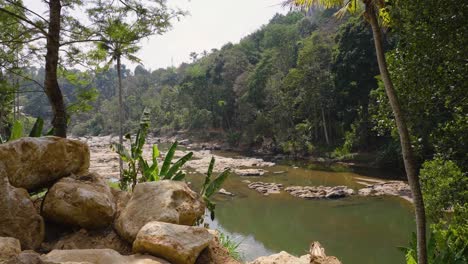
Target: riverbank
<point>253,218</point>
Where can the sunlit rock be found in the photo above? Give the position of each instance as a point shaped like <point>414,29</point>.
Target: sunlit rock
<point>33,163</point>
<point>165,201</point>
<point>177,243</point>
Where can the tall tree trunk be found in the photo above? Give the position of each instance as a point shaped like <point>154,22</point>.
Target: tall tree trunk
<point>407,150</point>
<point>325,126</point>
<point>119,73</point>
<point>52,89</point>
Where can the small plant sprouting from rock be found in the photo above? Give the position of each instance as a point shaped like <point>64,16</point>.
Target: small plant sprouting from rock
<point>137,165</point>
<point>210,187</point>
<point>230,245</point>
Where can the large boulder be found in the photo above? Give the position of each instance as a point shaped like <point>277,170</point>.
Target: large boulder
<point>177,243</point>
<point>33,163</point>
<point>9,248</point>
<point>84,201</point>
<point>97,256</point>
<point>164,201</point>
<point>18,216</point>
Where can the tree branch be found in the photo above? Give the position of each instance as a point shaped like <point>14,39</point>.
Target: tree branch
<point>27,9</point>
<point>24,20</point>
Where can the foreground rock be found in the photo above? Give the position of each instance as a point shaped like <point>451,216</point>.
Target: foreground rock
<point>266,188</point>
<point>94,239</point>
<point>319,192</point>
<point>33,163</point>
<point>9,248</point>
<point>317,255</point>
<point>282,258</point>
<point>84,201</point>
<point>25,257</point>
<point>393,188</point>
<point>97,256</point>
<point>177,243</point>
<point>164,201</point>
<point>18,216</point>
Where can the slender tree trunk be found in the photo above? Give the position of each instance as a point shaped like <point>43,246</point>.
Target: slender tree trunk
<point>325,126</point>
<point>119,73</point>
<point>407,150</point>
<point>52,89</point>
<point>17,103</point>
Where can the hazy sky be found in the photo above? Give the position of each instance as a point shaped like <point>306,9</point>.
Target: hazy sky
<point>211,24</point>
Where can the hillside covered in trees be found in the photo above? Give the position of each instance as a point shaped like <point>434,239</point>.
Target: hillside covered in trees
<point>301,85</point>
<point>384,85</point>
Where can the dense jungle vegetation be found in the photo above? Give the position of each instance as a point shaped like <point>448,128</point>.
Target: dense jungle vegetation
<point>305,84</point>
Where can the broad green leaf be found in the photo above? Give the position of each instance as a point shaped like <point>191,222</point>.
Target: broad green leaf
<point>16,131</point>
<point>409,258</point>
<point>179,176</point>
<point>168,159</point>
<point>175,168</point>
<point>155,154</point>
<point>36,131</point>
<point>50,132</point>
<point>208,176</point>
<point>216,184</point>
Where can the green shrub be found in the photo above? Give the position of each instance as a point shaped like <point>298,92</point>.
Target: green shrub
<point>444,185</point>
<point>233,138</point>
<point>445,191</point>
<point>230,245</point>
<point>137,165</point>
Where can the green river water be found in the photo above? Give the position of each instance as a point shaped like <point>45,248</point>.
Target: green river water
<point>357,230</point>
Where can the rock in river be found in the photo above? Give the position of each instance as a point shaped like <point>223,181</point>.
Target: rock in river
<point>266,188</point>
<point>84,201</point>
<point>33,163</point>
<point>164,201</point>
<point>393,188</point>
<point>177,243</point>
<point>250,172</point>
<point>319,192</point>
<point>224,192</point>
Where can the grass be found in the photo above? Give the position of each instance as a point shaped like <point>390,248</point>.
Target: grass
<point>114,185</point>
<point>231,245</point>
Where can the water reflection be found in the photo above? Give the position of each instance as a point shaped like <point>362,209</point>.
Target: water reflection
<point>356,230</point>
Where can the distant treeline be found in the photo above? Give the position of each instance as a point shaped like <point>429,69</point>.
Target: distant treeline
<point>300,85</point>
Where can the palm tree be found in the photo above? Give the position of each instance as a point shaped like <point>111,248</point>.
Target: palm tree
<point>119,41</point>
<point>371,11</point>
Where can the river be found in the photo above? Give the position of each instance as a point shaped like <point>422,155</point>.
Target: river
<point>357,230</point>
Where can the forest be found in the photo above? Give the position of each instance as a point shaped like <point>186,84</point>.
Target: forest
<point>305,85</point>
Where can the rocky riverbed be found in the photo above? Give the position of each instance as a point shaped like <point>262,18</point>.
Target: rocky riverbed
<point>104,161</point>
